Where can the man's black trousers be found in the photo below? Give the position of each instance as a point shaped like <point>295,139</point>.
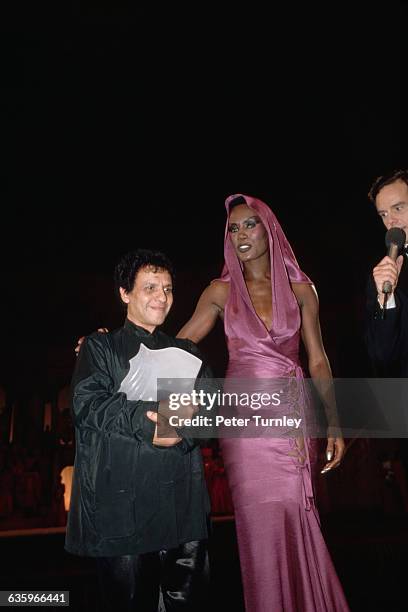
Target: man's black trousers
<point>132,583</point>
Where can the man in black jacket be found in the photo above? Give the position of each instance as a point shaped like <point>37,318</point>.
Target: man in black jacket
<point>139,502</point>
<point>387,332</point>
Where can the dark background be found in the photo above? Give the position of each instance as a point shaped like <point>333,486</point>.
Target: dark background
<point>127,127</point>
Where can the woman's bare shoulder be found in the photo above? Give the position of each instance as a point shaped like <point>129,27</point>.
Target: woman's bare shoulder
<point>305,293</point>
<point>218,292</point>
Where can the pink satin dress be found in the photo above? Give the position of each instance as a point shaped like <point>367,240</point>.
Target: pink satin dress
<point>285,564</point>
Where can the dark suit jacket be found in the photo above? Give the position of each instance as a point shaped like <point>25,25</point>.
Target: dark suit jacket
<point>387,338</point>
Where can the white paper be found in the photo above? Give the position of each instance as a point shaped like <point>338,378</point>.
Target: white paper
<point>179,369</point>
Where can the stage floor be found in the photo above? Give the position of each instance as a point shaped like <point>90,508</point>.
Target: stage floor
<point>369,553</point>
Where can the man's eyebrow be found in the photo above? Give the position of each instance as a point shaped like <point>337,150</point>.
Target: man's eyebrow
<point>157,283</point>
<point>381,211</point>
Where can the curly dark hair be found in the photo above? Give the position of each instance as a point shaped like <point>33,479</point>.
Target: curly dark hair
<point>130,264</point>
<point>387,179</point>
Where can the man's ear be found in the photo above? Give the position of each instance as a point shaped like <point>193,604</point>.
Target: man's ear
<point>124,295</point>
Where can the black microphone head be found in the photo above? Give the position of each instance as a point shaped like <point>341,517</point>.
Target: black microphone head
<point>397,236</point>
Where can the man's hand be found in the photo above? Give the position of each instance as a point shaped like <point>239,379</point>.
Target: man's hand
<point>168,434</point>
<point>386,270</point>
<point>334,453</point>
<point>181,412</point>
<point>102,330</point>
<point>165,428</point>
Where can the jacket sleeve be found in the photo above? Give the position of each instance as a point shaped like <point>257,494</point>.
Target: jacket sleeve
<point>386,337</point>
<point>97,406</point>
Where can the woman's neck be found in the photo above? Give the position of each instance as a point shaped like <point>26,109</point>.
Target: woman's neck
<point>258,269</point>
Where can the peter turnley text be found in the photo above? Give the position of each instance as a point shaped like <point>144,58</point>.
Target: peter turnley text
<point>206,421</point>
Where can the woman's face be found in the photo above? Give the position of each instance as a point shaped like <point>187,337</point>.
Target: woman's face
<point>247,233</point>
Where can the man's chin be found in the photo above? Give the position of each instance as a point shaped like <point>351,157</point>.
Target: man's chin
<point>159,319</point>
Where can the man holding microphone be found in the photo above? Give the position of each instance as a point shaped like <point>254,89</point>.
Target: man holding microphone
<point>387,321</point>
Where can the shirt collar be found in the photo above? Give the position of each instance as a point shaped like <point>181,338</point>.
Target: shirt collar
<point>136,329</point>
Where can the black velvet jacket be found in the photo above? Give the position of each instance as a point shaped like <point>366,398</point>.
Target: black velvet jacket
<point>128,496</point>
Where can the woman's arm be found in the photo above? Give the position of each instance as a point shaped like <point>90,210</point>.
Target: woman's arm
<point>319,368</point>
<point>209,307</point>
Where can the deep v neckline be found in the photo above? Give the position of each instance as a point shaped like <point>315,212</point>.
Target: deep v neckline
<point>249,300</point>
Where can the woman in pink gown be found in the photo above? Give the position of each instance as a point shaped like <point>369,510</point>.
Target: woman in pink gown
<point>267,303</point>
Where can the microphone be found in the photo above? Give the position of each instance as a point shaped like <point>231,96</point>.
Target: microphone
<point>395,240</point>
